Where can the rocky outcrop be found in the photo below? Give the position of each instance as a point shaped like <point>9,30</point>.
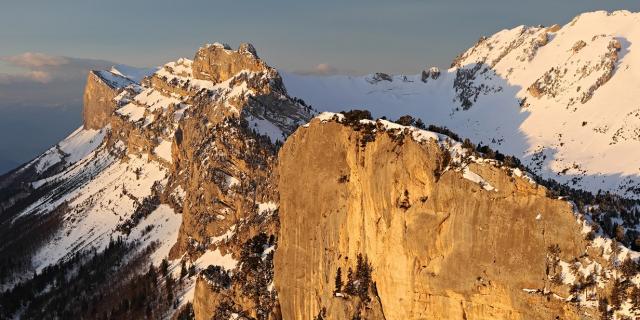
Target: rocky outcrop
<point>440,245</point>
<point>476,68</point>
<point>223,160</point>
<point>581,71</point>
<point>578,46</point>
<point>378,77</point>
<point>222,117</point>
<point>217,62</point>
<point>98,104</point>
<point>220,150</point>
<point>431,73</point>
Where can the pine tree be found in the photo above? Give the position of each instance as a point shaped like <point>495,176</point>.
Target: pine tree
<point>338,280</point>
<point>553,256</point>
<point>618,294</point>
<point>350,288</point>
<point>152,274</point>
<point>183,270</point>
<point>169,287</point>
<point>363,275</point>
<point>164,267</point>
<point>619,233</point>
<point>635,298</point>
<point>590,284</point>
<point>603,307</point>
<point>629,268</point>
<point>466,144</point>
<point>406,120</point>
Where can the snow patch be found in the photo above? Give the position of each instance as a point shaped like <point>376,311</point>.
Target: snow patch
<point>474,177</point>
<point>215,258</point>
<point>132,111</point>
<point>267,207</point>
<point>163,150</point>
<point>265,127</point>
<point>165,224</point>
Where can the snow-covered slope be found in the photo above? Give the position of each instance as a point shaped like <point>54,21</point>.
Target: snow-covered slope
<point>168,137</point>
<point>133,73</point>
<point>562,99</point>
<point>102,182</point>
<point>181,165</point>
<point>70,150</point>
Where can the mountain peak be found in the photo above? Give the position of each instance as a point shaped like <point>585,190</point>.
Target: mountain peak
<point>560,98</point>
<point>187,162</point>
<point>217,62</point>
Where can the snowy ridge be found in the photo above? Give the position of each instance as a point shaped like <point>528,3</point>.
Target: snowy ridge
<point>132,73</point>
<point>461,157</point>
<point>109,183</point>
<point>114,80</point>
<point>99,193</point>
<point>544,95</point>
<point>73,148</point>
<point>141,106</point>
<point>559,98</point>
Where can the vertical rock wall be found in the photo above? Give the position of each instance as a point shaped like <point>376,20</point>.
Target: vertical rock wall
<point>98,104</point>
<point>439,248</point>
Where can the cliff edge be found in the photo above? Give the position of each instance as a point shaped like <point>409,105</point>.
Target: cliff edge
<point>416,230</point>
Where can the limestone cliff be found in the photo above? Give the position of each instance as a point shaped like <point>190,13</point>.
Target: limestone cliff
<point>217,62</point>
<point>98,99</point>
<point>211,128</point>
<point>443,243</point>
<point>362,219</point>
<point>222,158</point>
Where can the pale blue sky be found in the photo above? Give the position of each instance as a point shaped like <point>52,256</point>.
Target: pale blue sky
<point>357,36</point>
<point>41,91</point>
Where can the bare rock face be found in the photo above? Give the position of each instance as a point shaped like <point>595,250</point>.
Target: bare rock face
<point>379,76</point>
<point>223,159</point>
<point>581,72</point>
<point>578,46</point>
<point>426,244</point>
<point>217,62</point>
<point>477,65</point>
<point>431,73</point>
<point>224,115</point>
<point>98,104</point>
<point>554,28</point>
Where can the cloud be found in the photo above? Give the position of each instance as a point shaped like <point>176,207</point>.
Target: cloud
<point>35,60</point>
<point>44,68</point>
<point>39,76</point>
<point>45,80</point>
<point>25,77</point>
<point>324,69</point>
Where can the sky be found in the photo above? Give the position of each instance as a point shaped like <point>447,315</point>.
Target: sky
<point>46,47</point>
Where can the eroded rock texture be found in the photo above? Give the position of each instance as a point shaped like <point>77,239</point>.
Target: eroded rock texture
<point>440,246</point>
<point>98,98</point>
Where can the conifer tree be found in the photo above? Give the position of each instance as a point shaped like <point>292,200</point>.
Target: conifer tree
<point>183,270</point>
<point>164,267</point>
<point>338,280</point>
<point>350,288</point>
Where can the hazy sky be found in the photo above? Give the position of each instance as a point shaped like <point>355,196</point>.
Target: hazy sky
<point>358,36</point>
<point>46,47</point>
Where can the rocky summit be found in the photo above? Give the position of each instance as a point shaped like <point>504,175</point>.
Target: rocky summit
<point>209,188</point>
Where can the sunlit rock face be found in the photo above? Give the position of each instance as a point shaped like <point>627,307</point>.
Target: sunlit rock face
<point>442,244</point>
